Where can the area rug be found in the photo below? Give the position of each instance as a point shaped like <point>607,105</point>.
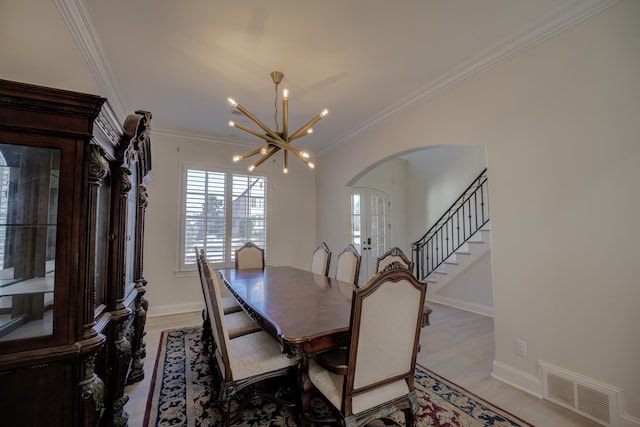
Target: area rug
<point>181,386</point>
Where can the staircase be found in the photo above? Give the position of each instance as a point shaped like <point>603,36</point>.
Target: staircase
<point>453,255</point>
<point>460,260</point>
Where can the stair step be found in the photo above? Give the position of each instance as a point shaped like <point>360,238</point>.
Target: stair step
<point>440,270</point>
<point>463,250</point>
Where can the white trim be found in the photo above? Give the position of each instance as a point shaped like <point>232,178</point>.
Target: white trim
<point>463,305</point>
<point>518,379</point>
<point>82,30</point>
<point>201,138</point>
<point>167,310</point>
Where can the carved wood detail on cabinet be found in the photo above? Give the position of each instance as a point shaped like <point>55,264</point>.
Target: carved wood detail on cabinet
<point>73,197</point>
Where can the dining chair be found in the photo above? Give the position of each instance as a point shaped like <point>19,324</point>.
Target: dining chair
<point>348,269</point>
<point>374,375</point>
<point>321,260</point>
<point>244,361</point>
<point>249,255</point>
<point>393,258</point>
<point>237,323</point>
<point>229,303</point>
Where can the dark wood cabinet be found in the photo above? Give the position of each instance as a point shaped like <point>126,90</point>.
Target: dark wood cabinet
<point>72,206</point>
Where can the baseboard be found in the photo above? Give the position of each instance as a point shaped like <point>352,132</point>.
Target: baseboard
<point>462,305</point>
<point>518,379</point>
<point>627,420</point>
<point>166,310</point>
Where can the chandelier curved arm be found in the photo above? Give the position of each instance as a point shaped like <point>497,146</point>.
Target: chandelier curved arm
<point>248,154</point>
<point>301,132</point>
<point>253,118</point>
<point>268,138</point>
<point>262,159</point>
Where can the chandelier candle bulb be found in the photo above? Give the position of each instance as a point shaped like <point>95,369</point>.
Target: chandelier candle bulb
<point>285,162</point>
<point>239,157</point>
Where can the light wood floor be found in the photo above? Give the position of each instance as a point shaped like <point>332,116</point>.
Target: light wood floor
<point>457,345</point>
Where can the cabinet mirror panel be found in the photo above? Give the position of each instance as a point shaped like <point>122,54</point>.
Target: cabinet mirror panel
<point>132,204</point>
<point>102,239</point>
<point>29,183</point>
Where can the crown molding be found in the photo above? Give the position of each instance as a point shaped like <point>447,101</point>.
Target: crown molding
<point>196,137</point>
<point>519,42</point>
<point>77,20</point>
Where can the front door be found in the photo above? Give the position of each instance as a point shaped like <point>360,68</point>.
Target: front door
<point>370,223</point>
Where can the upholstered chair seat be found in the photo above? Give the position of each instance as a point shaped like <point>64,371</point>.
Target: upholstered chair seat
<point>239,323</point>
<point>331,386</point>
<point>255,354</point>
<point>230,305</point>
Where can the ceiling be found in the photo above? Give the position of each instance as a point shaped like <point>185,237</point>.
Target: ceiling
<point>364,60</point>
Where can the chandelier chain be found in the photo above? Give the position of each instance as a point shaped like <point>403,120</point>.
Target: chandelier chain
<point>275,115</point>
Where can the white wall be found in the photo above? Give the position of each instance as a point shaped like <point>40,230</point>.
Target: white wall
<point>560,123</point>
<point>37,48</point>
<point>291,217</point>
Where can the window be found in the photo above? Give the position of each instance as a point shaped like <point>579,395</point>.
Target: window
<point>222,211</point>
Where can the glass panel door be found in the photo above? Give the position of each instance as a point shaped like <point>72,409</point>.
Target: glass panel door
<point>369,227</point>
<point>29,184</point>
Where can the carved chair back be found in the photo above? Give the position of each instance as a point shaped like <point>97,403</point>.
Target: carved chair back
<point>321,260</point>
<point>393,258</point>
<point>218,324</point>
<point>385,323</point>
<point>248,256</point>
<point>348,269</point>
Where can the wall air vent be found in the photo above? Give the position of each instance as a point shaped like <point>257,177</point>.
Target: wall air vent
<point>585,396</point>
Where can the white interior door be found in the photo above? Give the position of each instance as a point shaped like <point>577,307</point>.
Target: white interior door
<point>370,224</point>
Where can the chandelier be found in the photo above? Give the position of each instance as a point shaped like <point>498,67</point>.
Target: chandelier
<point>277,140</point>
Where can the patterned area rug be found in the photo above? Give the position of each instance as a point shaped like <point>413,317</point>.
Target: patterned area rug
<point>181,385</point>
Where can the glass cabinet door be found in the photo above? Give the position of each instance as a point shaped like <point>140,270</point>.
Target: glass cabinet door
<point>29,184</point>
<point>132,209</point>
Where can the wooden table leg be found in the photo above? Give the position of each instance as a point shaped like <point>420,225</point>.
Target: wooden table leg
<point>305,389</point>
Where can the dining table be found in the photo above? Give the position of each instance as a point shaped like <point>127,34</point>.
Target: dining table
<point>307,313</point>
